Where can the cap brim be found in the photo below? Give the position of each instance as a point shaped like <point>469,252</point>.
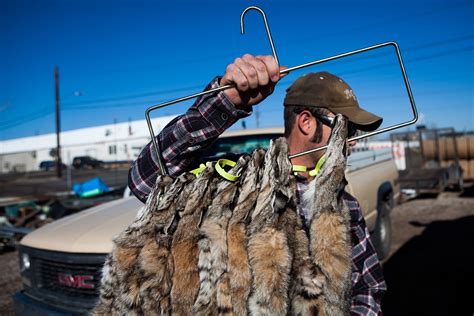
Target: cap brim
<point>364,120</point>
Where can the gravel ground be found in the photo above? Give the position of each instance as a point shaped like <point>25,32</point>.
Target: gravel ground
<point>10,281</point>
<point>429,271</point>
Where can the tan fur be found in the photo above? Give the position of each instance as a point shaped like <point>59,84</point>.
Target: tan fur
<point>238,263</point>
<point>141,281</point>
<point>269,254</point>
<point>184,247</point>
<point>307,282</point>
<point>207,246</point>
<point>330,245</point>
<point>212,262</point>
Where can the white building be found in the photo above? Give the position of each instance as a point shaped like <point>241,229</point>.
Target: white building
<point>113,142</point>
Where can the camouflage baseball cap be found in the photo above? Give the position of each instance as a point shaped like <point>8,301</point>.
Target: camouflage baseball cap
<point>325,90</point>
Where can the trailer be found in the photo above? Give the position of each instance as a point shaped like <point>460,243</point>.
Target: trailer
<point>432,162</point>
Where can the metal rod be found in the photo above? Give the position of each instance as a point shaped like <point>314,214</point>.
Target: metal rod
<point>380,131</point>
<point>288,70</point>
<point>269,35</point>
<point>147,112</point>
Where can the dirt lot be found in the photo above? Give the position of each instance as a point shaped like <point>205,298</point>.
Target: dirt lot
<point>429,272</point>
<point>45,182</point>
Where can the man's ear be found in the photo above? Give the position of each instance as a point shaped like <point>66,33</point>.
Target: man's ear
<point>306,123</point>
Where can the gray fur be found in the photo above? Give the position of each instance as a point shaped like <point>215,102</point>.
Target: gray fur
<point>238,262</point>
<point>269,254</point>
<point>330,245</point>
<point>208,246</point>
<point>214,288</point>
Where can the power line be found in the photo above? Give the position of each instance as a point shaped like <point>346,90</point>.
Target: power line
<point>132,96</point>
<point>37,115</point>
<point>95,103</point>
<point>377,24</point>
<point>25,119</point>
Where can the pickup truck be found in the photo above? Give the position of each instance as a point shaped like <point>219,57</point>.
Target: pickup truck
<point>61,262</point>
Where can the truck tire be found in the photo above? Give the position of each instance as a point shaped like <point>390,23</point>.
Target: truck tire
<point>382,234</point>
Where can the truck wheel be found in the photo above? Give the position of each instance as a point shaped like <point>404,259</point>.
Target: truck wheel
<point>382,234</point>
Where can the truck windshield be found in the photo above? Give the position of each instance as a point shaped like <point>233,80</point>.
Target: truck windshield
<point>239,144</point>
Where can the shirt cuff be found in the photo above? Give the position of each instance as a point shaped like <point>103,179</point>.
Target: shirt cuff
<point>218,110</point>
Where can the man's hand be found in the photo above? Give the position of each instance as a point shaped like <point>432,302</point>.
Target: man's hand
<point>254,79</point>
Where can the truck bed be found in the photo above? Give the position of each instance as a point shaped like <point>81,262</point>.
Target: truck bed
<point>424,180</point>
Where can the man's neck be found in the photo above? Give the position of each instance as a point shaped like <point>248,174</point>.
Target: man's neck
<point>309,160</point>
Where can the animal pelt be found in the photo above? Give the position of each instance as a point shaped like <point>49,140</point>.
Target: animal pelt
<point>208,246</point>
<point>330,243</point>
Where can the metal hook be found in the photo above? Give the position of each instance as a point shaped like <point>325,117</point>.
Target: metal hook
<point>285,71</point>
<point>242,16</point>
<point>161,164</point>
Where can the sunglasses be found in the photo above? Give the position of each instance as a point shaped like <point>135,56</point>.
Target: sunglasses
<point>330,120</point>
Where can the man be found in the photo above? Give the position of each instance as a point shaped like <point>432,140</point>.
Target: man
<point>310,104</point>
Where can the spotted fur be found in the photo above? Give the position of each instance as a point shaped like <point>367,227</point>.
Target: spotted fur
<point>238,273</point>
<point>330,245</point>
<point>214,292</point>
<point>269,254</point>
<point>207,246</point>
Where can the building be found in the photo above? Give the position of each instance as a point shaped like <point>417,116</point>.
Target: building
<point>112,142</point>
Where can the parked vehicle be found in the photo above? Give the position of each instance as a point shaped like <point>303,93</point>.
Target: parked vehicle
<point>61,262</point>
<point>86,162</point>
<point>432,161</point>
<point>47,165</point>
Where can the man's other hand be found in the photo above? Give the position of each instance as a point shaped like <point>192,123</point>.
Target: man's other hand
<point>254,78</point>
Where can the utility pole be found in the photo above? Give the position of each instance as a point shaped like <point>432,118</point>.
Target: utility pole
<point>116,149</point>
<point>58,123</point>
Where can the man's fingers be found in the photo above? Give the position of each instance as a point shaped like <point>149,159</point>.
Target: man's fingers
<point>235,75</point>
<point>272,67</point>
<point>249,71</point>
<point>260,68</point>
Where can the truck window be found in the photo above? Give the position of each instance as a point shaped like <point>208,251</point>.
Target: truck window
<point>239,144</point>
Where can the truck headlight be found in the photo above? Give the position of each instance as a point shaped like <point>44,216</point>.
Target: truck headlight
<point>25,269</point>
<point>25,262</point>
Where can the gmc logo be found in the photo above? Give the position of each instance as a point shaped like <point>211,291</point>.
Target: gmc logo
<point>76,281</point>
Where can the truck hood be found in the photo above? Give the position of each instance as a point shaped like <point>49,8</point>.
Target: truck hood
<point>90,231</point>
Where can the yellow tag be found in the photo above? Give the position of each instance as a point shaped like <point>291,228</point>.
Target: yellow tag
<point>221,163</point>
<point>198,170</point>
<point>298,168</point>
<point>312,173</point>
<point>318,166</point>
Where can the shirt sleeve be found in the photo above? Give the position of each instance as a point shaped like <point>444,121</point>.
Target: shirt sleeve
<point>368,284</point>
<point>183,138</point>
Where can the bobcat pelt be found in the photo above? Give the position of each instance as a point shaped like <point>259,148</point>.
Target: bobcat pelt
<point>330,243</point>
<point>207,246</point>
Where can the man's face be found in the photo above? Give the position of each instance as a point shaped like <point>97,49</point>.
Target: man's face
<point>326,134</point>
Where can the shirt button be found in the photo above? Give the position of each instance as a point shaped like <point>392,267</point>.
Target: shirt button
<point>192,140</point>
<point>224,116</point>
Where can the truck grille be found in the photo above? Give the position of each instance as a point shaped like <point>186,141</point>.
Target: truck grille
<point>69,278</point>
<point>68,281</point>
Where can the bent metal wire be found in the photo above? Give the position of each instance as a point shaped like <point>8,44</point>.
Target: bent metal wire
<point>162,166</point>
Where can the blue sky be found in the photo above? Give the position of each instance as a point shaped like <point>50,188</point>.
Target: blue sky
<point>116,58</point>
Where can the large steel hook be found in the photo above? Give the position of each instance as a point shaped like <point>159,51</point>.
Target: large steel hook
<point>154,140</point>
<point>269,35</point>
<point>162,166</point>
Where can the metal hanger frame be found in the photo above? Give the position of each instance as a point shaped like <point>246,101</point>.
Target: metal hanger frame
<point>162,166</point>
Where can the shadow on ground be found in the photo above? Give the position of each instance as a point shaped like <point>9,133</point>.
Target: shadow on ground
<point>468,191</point>
<point>433,273</point>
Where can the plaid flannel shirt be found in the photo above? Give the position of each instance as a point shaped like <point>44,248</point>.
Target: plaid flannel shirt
<point>181,141</point>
